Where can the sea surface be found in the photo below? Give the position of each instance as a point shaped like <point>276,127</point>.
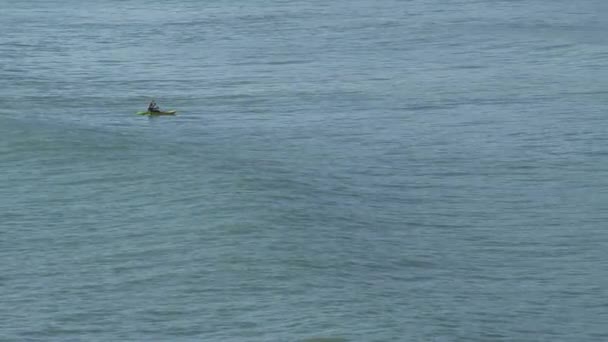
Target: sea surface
<point>348,170</point>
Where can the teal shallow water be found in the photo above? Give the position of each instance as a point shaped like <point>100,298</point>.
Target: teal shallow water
<point>363,171</point>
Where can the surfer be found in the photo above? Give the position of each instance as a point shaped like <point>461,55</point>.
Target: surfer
<point>153,107</point>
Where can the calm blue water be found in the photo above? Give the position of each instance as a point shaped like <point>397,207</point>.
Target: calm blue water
<point>339,170</point>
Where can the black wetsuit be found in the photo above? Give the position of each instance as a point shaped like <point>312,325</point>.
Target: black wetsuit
<point>153,107</point>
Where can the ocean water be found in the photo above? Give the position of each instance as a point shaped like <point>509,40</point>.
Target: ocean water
<point>357,170</point>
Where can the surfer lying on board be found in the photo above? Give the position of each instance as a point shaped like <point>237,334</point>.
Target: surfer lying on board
<point>153,107</point>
